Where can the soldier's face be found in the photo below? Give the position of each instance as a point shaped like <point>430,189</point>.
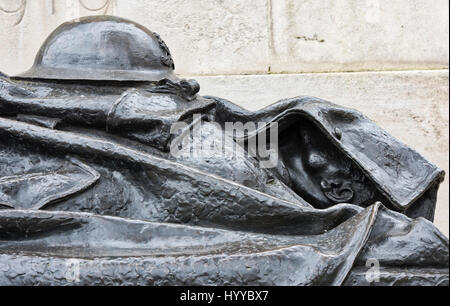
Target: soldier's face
<point>320,173</point>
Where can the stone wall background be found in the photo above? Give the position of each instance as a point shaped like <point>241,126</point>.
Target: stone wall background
<point>387,58</point>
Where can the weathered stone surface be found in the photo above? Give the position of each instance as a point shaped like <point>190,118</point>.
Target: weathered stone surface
<point>353,35</point>
<point>26,24</point>
<point>235,37</point>
<point>207,37</point>
<point>411,105</point>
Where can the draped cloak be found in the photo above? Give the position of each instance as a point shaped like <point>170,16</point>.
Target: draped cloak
<point>86,177</point>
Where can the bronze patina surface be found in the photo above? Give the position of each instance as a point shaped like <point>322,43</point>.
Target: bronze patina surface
<point>88,179</point>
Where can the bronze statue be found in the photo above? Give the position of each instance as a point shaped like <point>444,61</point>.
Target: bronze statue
<point>102,170</point>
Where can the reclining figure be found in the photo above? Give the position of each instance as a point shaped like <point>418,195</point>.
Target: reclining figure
<point>108,160</point>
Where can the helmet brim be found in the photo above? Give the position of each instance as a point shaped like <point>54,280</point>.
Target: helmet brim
<point>96,75</point>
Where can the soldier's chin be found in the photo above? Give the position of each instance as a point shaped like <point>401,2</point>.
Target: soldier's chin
<point>316,198</point>
<point>339,196</point>
<point>322,198</point>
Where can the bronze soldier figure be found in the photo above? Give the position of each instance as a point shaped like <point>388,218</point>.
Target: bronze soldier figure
<point>87,173</point>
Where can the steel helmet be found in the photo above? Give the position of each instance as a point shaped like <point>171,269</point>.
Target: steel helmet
<point>102,48</point>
